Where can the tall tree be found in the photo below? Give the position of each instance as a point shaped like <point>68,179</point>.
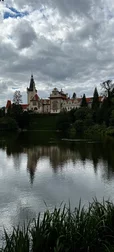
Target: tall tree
<point>84,102</point>
<point>95,102</point>
<point>17,97</point>
<point>74,96</point>
<point>108,88</point>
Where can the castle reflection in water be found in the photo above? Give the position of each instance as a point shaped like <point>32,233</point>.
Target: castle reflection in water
<point>59,156</point>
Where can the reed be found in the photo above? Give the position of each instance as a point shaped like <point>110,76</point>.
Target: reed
<point>83,229</point>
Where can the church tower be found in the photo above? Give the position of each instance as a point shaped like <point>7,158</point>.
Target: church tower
<point>31,91</point>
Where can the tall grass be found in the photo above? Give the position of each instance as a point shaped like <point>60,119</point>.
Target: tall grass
<point>84,229</point>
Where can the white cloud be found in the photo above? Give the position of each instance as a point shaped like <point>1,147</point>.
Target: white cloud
<point>67,44</point>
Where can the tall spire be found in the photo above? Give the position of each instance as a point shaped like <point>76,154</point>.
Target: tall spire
<point>32,83</point>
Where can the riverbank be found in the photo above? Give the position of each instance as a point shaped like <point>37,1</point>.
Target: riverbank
<point>84,229</point>
<point>70,124</point>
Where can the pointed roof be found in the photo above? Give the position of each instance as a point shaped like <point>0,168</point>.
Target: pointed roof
<point>35,98</point>
<point>32,83</point>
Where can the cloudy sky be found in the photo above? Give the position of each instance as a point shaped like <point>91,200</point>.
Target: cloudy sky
<point>67,44</point>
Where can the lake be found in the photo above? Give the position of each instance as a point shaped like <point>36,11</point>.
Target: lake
<point>38,170</point>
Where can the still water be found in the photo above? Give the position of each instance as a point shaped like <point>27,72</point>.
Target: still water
<point>39,169</point>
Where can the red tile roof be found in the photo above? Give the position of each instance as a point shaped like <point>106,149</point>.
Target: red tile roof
<point>45,101</point>
<point>35,98</point>
<point>24,106</point>
<point>89,99</point>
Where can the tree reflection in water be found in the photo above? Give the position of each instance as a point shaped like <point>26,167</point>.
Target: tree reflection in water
<point>38,145</point>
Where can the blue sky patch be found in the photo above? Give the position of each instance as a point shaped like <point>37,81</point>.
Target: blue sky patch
<point>13,13</point>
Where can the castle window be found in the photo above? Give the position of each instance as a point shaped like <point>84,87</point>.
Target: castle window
<point>55,105</point>
<point>34,103</point>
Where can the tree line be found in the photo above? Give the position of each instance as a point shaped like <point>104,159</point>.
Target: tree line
<point>95,120</point>
<point>86,120</point>
<point>13,117</point>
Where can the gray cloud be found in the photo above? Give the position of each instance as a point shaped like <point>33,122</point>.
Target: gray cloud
<point>24,34</point>
<point>65,44</point>
<point>65,7</point>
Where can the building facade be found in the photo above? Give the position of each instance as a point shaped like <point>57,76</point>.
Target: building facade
<point>57,102</point>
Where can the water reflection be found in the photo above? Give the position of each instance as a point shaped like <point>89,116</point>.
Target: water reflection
<point>38,146</point>
<point>32,159</point>
<point>61,155</point>
<point>40,167</point>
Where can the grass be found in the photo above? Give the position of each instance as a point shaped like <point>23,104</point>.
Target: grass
<point>84,229</point>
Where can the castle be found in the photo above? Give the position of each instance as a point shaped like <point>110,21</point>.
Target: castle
<point>57,102</point>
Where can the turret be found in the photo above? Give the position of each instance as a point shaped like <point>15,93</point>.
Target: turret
<point>31,91</point>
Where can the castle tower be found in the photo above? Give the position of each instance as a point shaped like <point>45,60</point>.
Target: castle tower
<point>31,91</point>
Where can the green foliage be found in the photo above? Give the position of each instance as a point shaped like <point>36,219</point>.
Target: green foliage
<point>43,122</point>
<point>95,102</point>
<point>79,126</point>
<point>83,119</point>
<point>24,120</point>
<point>72,132</point>
<point>84,229</point>
<point>8,124</point>
<point>16,110</point>
<point>76,121</point>
<point>80,114</point>
<point>74,96</point>
<point>2,112</point>
<point>110,131</point>
<point>112,118</point>
<point>63,121</point>
<point>84,102</point>
<point>89,119</point>
<point>96,131</point>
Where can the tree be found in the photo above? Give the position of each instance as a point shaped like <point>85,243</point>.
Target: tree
<point>74,96</point>
<point>95,102</point>
<point>16,110</point>
<point>8,123</point>
<point>17,98</point>
<point>80,113</point>
<point>108,87</point>
<point>23,120</point>
<point>2,112</point>
<point>84,102</point>
<point>79,126</point>
<point>112,118</point>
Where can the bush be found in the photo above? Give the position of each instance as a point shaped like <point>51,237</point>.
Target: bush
<point>79,126</point>
<point>95,131</point>
<point>110,131</point>
<point>8,124</point>
<point>63,121</point>
<point>72,132</point>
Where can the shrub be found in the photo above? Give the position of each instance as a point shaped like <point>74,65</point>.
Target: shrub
<point>95,131</point>
<point>8,124</point>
